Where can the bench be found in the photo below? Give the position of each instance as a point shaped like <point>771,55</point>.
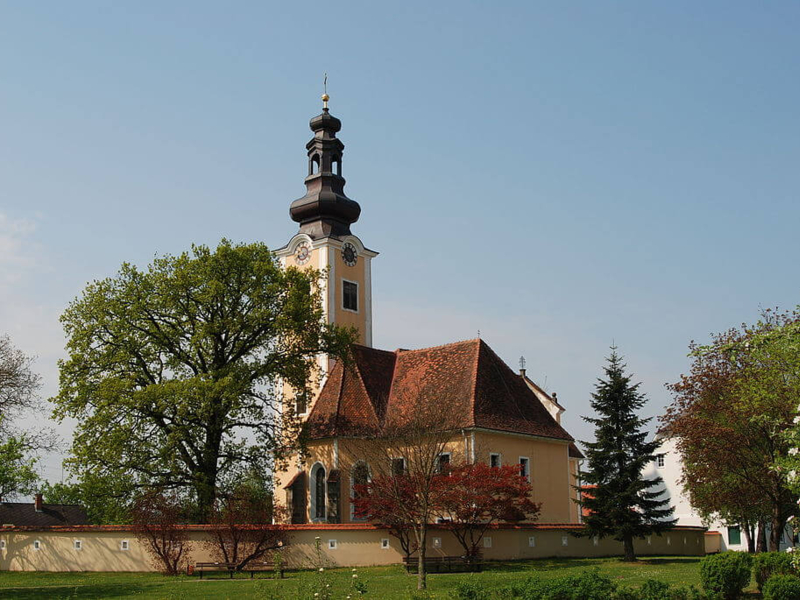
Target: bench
<point>444,564</point>
<point>251,567</point>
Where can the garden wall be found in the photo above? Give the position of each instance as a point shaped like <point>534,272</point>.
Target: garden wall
<point>104,548</point>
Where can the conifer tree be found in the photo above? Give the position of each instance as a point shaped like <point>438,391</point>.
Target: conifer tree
<point>623,505</point>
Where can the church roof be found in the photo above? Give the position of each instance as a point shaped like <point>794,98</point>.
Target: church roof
<point>379,391</point>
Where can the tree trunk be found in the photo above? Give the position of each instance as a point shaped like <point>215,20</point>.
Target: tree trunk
<point>775,535</point>
<point>422,576</point>
<point>630,555</point>
<point>761,542</point>
<point>749,537</point>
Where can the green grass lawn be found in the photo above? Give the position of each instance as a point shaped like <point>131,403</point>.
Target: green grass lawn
<point>383,583</point>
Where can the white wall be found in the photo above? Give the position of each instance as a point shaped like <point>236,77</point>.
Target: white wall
<point>686,515</point>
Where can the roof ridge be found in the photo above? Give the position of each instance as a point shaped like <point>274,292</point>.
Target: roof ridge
<point>475,371</point>
<point>367,392</point>
<point>456,343</point>
<point>499,370</point>
<point>339,397</point>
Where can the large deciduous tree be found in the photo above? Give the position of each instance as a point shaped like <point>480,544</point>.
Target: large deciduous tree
<point>623,505</point>
<point>477,496</point>
<point>19,385</point>
<point>174,372</point>
<point>733,421</point>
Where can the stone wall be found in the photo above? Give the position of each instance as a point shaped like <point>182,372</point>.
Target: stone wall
<point>103,548</point>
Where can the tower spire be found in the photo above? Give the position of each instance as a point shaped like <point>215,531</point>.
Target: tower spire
<point>325,210</point>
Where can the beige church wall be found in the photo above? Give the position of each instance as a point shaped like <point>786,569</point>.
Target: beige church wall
<point>552,473</point>
<point>340,270</point>
<point>574,482</point>
<point>549,469</point>
<point>353,546</point>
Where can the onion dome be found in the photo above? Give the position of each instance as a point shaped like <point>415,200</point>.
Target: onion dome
<point>325,210</point>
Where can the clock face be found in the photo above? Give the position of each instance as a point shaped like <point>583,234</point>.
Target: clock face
<point>349,254</point>
<point>302,253</point>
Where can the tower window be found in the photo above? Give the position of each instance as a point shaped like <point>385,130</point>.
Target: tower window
<point>350,295</point>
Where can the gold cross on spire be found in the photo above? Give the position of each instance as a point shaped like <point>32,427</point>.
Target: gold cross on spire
<point>325,96</point>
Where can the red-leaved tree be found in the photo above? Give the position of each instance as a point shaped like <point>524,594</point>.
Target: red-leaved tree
<point>157,522</point>
<point>478,496</point>
<point>391,502</point>
<point>242,529</point>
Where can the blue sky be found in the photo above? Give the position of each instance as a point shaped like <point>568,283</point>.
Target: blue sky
<point>559,176</point>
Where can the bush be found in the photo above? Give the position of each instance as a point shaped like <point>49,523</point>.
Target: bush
<point>726,574</point>
<point>782,587</point>
<point>767,564</point>
<point>589,585</point>
<point>658,590</point>
<point>471,590</point>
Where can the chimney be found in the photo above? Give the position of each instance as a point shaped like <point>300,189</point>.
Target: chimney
<point>37,502</point>
<point>522,367</point>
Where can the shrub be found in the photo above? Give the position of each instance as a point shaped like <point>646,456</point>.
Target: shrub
<point>589,585</point>
<point>726,574</point>
<point>782,587</point>
<point>658,590</point>
<point>471,590</point>
<point>768,564</point>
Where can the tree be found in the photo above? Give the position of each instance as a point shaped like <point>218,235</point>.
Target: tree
<point>732,418</point>
<point>378,502</point>
<point>106,501</point>
<point>158,524</point>
<point>242,529</point>
<point>414,491</point>
<point>19,385</point>
<point>17,467</point>
<point>623,505</point>
<point>477,496</point>
<point>174,373</point>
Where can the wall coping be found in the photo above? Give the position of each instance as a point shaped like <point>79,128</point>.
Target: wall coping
<point>570,527</point>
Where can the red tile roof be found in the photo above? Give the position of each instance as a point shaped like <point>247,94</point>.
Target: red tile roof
<point>466,381</point>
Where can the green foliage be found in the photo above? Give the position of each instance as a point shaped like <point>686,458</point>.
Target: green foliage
<point>106,501</point>
<point>732,419</point>
<point>767,564</point>
<point>624,505</point>
<point>171,371</point>
<point>653,589</point>
<point>470,589</point>
<point>727,573</point>
<point>17,467</point>
<point>782,587</point>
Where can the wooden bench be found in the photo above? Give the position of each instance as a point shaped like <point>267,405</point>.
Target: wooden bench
<point>251,567</point>
<point>444,564</point>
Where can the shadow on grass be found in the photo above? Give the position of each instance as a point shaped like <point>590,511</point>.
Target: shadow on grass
<point>97,590</point>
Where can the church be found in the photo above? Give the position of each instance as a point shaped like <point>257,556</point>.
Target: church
<point>494,414</point>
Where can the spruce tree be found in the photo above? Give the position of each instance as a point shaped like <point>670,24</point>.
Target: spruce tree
<point>623,505</point>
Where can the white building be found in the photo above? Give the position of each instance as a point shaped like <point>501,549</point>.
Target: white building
<point>668,466</point>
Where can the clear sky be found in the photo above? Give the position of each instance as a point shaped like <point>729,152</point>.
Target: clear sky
<point>559,175</point>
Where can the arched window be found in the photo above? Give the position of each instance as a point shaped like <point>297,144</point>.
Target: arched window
<point>313,164</point>
<point>359,476</point>
<point>318,492</point>
<point>337,161</point>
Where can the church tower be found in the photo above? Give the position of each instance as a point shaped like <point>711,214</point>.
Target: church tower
<point>324,240</point>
